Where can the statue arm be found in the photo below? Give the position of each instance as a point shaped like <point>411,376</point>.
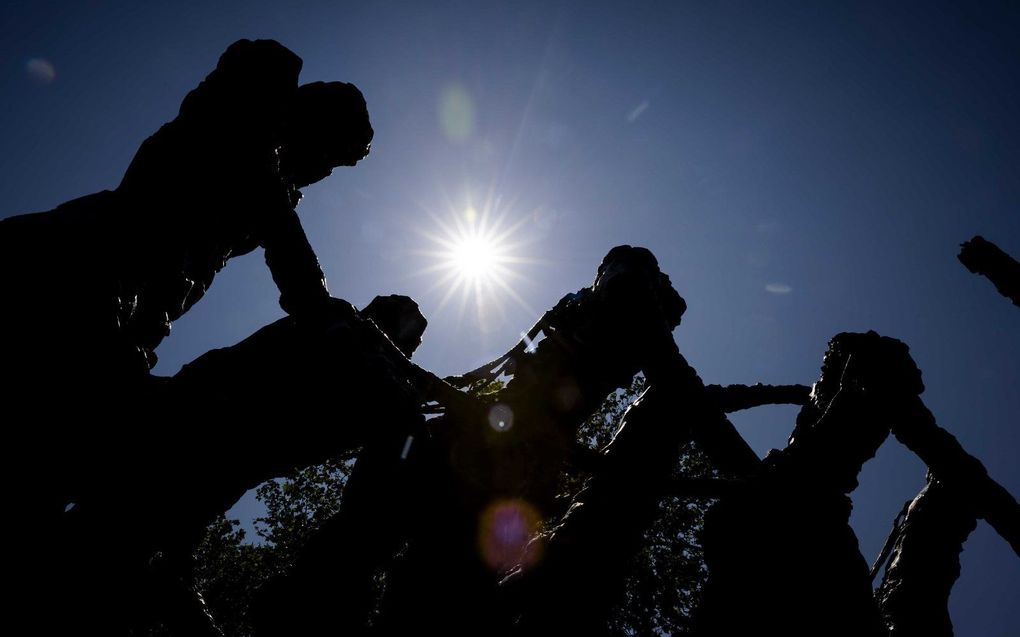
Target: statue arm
<point>293,263</point>
<point>961,472</point>
<point>983,257</point>
<point>731,398</point>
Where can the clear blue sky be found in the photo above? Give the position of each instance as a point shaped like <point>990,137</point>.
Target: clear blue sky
<point>799,170</point>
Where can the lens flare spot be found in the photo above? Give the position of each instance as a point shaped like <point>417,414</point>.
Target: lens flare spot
<point>456,113</point>
<point>501,418</point>
<point>778,288</point>
<point>504,535</point>
<point>41,70</point>
<point>568,395</point>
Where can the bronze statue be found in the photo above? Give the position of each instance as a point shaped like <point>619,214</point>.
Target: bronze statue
<point>261,404</point>
<point>780,552</point>
<point>93,285</point>
<point>342,557</point>
<point>983,257</point>
<point>118,472</point>
<point>924,561</point>
<point>510,446</point>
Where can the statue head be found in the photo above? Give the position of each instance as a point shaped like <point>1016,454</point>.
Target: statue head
<point>400,319</point>
<point>868,361</point>
<point>635,266</point>
<point>833,442</point>
<point>327,126</point>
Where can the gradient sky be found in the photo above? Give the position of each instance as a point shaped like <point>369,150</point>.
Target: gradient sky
<point>799,170</point>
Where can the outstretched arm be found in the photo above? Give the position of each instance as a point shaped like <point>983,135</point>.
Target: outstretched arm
<point>293,264</point>
<point>731,398</point>
<point>961,472</point>
<point>985,258</point>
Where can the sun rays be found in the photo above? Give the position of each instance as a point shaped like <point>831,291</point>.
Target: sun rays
<point>475,255</point>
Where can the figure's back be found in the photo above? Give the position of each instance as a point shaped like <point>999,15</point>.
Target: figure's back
<point>63,301</point>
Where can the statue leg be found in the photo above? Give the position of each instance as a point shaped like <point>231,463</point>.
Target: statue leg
<point>333,587</point>
<point>925,563</point>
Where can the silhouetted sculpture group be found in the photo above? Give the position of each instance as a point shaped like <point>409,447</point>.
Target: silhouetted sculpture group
<point>118,472</point>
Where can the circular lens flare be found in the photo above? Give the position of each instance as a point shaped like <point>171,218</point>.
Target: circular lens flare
<point>456,113</point>
<point>501,418</point>
<point>41,70</point>
<point>507,535</point>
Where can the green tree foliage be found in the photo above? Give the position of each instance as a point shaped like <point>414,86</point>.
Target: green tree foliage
<point>229,569</point>
<point>298,505</point>
<point>661,591</point>
<point>666,578</point>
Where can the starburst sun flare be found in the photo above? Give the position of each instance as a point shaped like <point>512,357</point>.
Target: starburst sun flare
<point>474,257</point>
<point>476,254</point>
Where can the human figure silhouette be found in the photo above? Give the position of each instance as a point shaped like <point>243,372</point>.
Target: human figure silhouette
<point>595,341</point>
<point>781,554</point>
<point>590,344</point>
<point>218,181</point>
<point>92,286</point>
<point>234,418</point>
<point>341,558</point>
<point>785,542</point>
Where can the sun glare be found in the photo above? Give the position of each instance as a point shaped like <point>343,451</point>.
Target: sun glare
<point>475,251</point>
<point>476,255</point>
<point>474,258</point>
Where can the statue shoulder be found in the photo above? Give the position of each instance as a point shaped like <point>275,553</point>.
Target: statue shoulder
<point>252,75</point>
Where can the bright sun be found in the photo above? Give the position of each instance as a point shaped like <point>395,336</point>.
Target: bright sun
<point>475,253</point>
<point>474,258</point>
